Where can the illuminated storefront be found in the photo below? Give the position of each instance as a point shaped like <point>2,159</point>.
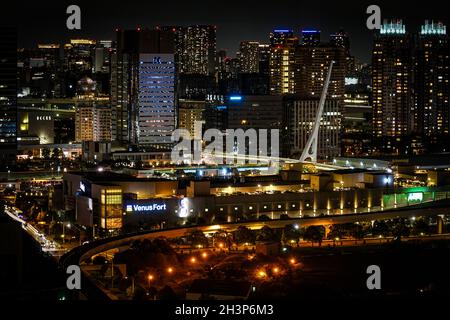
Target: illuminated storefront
<point>111,208</point>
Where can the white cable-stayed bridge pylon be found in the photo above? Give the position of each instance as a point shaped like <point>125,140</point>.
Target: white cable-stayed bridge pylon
<point>310,150</point>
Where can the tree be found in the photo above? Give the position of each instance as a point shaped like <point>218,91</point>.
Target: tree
<point>400,229</point>
<point>337,231</point>
<point>166,293</point>
<point>46,153</point>
<point>222,236</point>
<point>380,228</point>
<point>266,234</point>
<point>314,234</point>
<point>198,238</point>
<point>264,217</point>
<point>420,226</point>
<point>139,165</point>
<point>361,230</point>
<point>57,153</point>
<point>291,233</point>
<point>244,235</point>
<point>99,260</point>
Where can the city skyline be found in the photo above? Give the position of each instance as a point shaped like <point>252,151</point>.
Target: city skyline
<point>232,20</point>
<point>142,161</point>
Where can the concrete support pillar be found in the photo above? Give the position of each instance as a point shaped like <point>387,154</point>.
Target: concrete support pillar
<point>440,224</point>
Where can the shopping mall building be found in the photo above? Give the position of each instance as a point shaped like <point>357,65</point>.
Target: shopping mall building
<point>111,201</point>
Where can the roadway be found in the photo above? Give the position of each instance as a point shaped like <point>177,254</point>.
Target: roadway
<point>46,245</point>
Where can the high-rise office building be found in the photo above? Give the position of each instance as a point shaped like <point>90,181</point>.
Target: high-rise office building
<point>249,56</point>
<point>79,54</point>
<point>190,111</point>
<point>84,123</point>
<point>299,115</point>
<point>143,87</point>
<point>102,56</point>
<point>283,44</point>
<point>227,73</point>
<point>264,59</point>
<point>216,112</point>
<point>342,40</point>
<point>92,123</point>
<point>8,94</point>
<point>195,48</point>
<point>392,95</point>
<point>256,112</point>
<point>431,85</point>
<point>156,99</point>
<point>310,37</point>
<point>312,66</point>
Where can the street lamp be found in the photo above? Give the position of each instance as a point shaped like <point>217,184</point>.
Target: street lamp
<point>149,279</point>
<point>261,274</point>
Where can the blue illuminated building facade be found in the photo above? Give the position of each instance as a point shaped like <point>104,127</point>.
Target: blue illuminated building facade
<point>156,106</point>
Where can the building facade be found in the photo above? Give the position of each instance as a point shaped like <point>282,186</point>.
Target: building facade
<point>156,99</point>
<point>190,111</point>
<point>142,86</point>
<point>283,44</point>
<point>392,93</point>
<point>92,123</point>
<point>8,94</point>
<point>299,115</point>
<point>431,87</point>
<point>249,56</point>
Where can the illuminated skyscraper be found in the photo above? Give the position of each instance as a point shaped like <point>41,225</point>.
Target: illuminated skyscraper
<point>195,48</point>
<point>249,56</point>
<point>341,39</point>
<point>313,63</point>
<point>156,99</point>
<point>190,111</point>
<point>392,99</point>
<point>310,37</point>
<point>264,59</point>
<point>432,63</point>
<point>79,55</point>
<point>8,94</point>
<point>92,123</point>
<point>282,61</point>
<point>142,87</point>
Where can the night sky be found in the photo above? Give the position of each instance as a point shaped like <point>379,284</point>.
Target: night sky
<point>236,20</point>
